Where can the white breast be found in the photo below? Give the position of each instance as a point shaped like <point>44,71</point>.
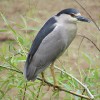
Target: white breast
<point>67,32</point>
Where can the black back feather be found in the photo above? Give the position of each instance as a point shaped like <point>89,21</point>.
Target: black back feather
<point>45,30</point>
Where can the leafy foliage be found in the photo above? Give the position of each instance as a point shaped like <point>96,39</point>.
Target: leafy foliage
<point>12,82</point>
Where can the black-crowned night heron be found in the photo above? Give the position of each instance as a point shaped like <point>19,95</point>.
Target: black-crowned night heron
<point>51,41</point>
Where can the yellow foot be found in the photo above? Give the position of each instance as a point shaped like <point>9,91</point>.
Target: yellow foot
<point>43,82</point>
<point>55,86</point>
<point>43,78</point>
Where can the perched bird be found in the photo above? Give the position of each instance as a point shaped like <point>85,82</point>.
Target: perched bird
<point>51,41</point>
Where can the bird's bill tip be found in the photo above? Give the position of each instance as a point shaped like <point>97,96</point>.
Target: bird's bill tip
<point>81,18</point>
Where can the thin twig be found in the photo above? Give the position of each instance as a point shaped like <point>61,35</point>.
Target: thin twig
<point>8,68</point>
<point>88,14</point>
<point>61,89</point>
<point>80,45</point>
<point>79,56</point>
<point>84,86</point>
<point>2,39</point>
<point>39,91</point>
<point>24,91</point>
<point>90,41</point>
<point>2,57</point>
<point>50,84</point>
<point>83,93</point>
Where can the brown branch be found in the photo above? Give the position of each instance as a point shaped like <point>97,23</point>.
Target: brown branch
<point>8,68</point>
<point>90,41</point>
<point>6,39</point>
<point>80,45</point>
<point>83,93</point>
<point>39,90</point>
<point>52,85</point>
<point>88,14</point>
<point>61,89</point>
<point>24,91</point>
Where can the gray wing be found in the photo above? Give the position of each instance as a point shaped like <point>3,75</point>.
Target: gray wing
<point>50,48</point>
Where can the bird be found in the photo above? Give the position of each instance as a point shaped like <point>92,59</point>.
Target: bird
<point>51,42</point>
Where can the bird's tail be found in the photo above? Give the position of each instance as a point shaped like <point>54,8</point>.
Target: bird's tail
<point>29,72</point>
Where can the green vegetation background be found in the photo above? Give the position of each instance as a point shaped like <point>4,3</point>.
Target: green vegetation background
<point>20,20</point>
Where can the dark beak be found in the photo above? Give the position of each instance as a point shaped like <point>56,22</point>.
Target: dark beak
<point>81,18</point>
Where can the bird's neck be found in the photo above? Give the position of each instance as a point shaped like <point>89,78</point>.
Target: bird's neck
<point>69,28</point>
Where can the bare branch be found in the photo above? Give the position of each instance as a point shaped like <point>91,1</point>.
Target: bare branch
<point>83,93</point>
<point>91,41</point>
<point>80,45</point>
<point>50,84</point>
<point>2,39</point>
<point>88,14</point>
<point>24,91</point>
<point>61,89</point>
<point>39,90</point>
<point>84,86</point>
<point>8,68</point>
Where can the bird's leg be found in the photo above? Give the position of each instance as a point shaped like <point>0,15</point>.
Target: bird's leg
<point>53,75</point>
<point>43,78</point>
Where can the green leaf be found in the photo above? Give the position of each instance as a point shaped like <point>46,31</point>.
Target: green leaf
<point>19,59</point>
<point>66,86</point>
<point>3,30</point>
<point>20,39</point>
<point>20,83</point>
<point>87,58</point>
<point>7,23</point>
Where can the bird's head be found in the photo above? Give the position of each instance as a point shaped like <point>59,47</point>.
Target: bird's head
<point>72,15</point>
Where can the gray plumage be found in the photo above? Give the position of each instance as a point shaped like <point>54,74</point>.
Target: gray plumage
<point>51,41</point>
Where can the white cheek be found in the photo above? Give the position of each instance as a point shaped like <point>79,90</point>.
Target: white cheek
<point>73,19</point>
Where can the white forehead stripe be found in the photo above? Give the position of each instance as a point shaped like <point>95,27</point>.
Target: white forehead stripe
<point>78,14</point>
